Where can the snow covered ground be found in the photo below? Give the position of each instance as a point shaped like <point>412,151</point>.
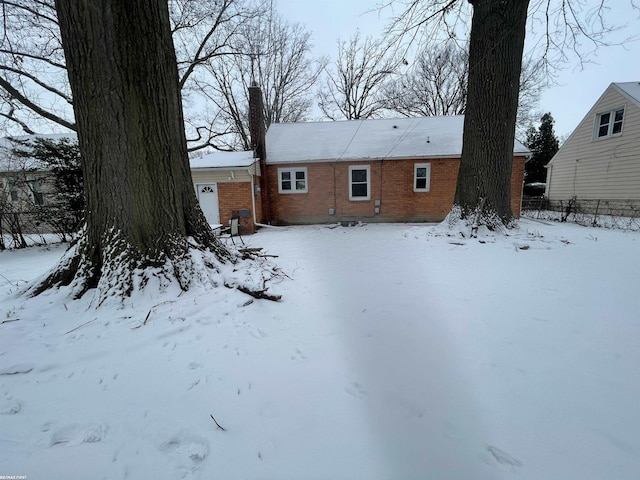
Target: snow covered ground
<point>398,352</point>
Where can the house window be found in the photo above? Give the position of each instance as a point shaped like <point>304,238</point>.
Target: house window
<point>292,180</point>
<point>609,124</point>
<point>36,191</point>
<point>421,177</point>
<point>13,190</point>
<point>359,183</point>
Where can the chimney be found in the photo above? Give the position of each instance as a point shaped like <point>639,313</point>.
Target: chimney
<point>257,128</point>
<point>258,131</point>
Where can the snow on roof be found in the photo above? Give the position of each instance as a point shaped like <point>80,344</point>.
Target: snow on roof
<point>371,139</point>
<point>223,160</point>
<point>631,89</point>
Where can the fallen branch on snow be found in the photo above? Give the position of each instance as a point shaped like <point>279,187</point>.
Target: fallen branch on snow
<point>260,294</point>
<point>217,424</point>
<point>10,320</point>
<point>153,308</point>
<point>79,326</point>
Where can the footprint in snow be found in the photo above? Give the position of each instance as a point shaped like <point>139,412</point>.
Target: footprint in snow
<point>188,450</point>
<point>71,435</point>
<point>356,390</point>
<point>10,407</point>
<point>503,458</point>
<point>258,333</point>
<point>298,355</point>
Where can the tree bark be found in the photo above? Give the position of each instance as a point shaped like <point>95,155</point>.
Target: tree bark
<point>495,61</point>
<point>141,205</point>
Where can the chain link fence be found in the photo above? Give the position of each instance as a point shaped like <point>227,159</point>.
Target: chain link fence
<point>618,214</point>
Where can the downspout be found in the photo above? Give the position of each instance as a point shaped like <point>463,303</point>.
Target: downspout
<point>253,205</point>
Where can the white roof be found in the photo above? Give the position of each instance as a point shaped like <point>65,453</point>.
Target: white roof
<point>371,139</point>
<point>224,160</point>
<point>631,90</point>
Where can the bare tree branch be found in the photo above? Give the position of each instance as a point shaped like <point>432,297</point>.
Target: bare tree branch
<point>353,87</point>
<point>36,108</point>
<point>25,127</point>
<point>20,54</point>
<point>37,81</point>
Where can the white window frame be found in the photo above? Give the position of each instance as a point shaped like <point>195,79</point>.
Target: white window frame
<point>293,172</point>
<point>367,168</point>
<point>610,125</point>
<point>427,166</point>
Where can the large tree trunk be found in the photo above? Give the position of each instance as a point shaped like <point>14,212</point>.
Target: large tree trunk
<point>495,58</point>
<point>141,205</point>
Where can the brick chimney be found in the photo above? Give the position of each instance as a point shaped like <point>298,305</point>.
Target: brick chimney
<point>258,130</point>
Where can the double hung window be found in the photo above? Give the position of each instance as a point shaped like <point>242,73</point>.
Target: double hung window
<point>609,124</point>
<point>292,180</point>
<point>359,182</point>
<point>421,177</point>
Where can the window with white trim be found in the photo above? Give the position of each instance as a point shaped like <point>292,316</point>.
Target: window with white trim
<point>421,177</point>
<point>292,180</point>
<point>359,182</point>
<point>609,124</point>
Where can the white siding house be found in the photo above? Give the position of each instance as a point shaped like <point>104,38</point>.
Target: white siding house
<point>599,164</point>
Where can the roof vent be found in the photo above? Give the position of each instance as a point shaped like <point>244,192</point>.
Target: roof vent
<point>395,126</point>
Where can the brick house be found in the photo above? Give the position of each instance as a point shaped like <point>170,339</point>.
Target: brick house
<point>227,184</point>
<point>374,170</point>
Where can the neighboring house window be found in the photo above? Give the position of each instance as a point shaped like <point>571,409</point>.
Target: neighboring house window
<point>292,180</point>
<point>359,183</point>
<point>36,190</point>
<point>421,177</point>
<point>13,191</point>
<point>609,123</point>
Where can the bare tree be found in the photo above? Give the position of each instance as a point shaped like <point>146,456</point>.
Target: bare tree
<point>276,56</point>
<point>33,75</point>
<point>141,211</point>
<point>353,88</point>
<point>437,85</point>
<point>496,46</point>
<point>205,33</point>
<point>533,81</point>
<point>34,87</point>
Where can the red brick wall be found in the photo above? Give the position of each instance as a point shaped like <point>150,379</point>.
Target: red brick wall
<point>517,180</point>
<point>391,182</point>
<point>234,196</point>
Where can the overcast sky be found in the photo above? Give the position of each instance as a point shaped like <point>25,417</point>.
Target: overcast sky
<point>568,102</point>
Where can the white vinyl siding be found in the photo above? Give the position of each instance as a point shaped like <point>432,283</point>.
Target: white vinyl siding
<point>219,176</point>
<point>607,168</point>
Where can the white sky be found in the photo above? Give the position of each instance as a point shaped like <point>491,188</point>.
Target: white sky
<point>568,102</point>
